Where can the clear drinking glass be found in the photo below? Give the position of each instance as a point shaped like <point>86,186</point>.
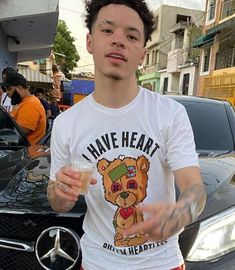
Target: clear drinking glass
<point>85,168</point>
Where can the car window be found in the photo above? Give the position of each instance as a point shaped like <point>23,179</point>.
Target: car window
<point>210,125</point>
<point>8,124</point>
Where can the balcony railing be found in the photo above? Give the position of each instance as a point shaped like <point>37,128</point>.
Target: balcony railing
<point>225,59</point>
<point>178,27</point>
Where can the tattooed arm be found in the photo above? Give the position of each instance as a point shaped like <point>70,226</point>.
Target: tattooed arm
<point>57,202</point>
<point>192,191</point>
<point>189,205</point>
<point>61,193</point>
<point>167,219</point>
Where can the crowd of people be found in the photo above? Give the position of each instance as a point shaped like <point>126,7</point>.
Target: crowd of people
<point>32,112</point>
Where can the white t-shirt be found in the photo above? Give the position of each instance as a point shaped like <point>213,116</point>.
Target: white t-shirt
<point>6,102</point>
<point>135,149</point>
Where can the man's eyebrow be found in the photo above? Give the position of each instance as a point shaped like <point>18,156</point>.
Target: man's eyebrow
<point>134,29</point>
<point>129,28</point>
<point>106,22</point>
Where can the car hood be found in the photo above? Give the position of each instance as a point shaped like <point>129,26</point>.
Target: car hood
<point>24,176</point>
<point>218,175</point>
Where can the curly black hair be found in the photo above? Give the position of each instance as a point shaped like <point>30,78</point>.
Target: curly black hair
<point>93,7</point>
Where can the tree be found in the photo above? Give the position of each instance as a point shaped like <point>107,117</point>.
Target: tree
<point>138,74</point>
<point>66,54</point>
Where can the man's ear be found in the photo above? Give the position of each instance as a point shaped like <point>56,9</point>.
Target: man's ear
<point>89,43</point>
<point>144,51</point>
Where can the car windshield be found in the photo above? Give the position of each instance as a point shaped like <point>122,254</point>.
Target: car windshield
<point>209,124</point>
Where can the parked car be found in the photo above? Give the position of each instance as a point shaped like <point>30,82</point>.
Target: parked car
<point>33,236</point>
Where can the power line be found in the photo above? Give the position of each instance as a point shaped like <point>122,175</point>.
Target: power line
<point>220,38</point>
<point>72,10</point>
<point>172,38</point>
<point>85,65</point>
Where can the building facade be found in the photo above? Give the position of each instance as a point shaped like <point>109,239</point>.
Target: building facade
<point>168,49</point>
<point>27,30</point>
<point>217,65</point>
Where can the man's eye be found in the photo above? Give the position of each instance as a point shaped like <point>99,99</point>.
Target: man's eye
<point>132,37</point>
<point>107,31</point>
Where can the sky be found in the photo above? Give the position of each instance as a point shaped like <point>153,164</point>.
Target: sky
<point>71,11</point>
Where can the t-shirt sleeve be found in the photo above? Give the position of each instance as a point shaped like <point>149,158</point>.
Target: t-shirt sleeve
<point>59,151</point>
<point>29,117</point>
<point>180,143</point>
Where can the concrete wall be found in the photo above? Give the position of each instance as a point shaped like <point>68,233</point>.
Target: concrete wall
<point>6,58</point>
<point>162,77</point>
<point>193,75</point>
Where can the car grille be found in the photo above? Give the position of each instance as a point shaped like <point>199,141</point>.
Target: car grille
<point>17,260</point>
<point>27,228</point>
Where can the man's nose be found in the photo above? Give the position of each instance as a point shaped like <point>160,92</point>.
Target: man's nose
<point>119,39</point>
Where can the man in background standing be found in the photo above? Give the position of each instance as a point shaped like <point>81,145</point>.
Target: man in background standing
<point>40,94</point>
<point>28,111</point>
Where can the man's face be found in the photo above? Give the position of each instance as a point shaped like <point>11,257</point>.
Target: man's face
<point>117,42</point>
<point>13,93</point>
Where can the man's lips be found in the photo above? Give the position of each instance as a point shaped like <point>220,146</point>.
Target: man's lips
<point>115,55</point>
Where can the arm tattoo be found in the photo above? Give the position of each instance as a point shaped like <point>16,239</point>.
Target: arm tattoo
<point>57,204</point>
<point>194,194</point>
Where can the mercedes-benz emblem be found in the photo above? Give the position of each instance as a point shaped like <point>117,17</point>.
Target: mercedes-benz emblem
<point>58,248</point>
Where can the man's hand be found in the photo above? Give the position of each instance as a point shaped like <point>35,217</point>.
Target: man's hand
<point>166,219</point>
<point>163,221</point>
<point>62,193</point>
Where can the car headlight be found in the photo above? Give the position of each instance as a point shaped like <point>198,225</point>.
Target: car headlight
<point>216,237</point>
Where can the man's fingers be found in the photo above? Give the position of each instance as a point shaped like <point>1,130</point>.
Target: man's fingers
<point>68,180</point>
<point>65,192</point>
<point>143,227</point>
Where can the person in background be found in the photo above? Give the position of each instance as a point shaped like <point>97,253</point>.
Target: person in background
<point>5,100</point>
<point>57,77</point>
<point>40,94</point>
<point>28,111</point>
<point>142,145</point>
<point>55,111</point>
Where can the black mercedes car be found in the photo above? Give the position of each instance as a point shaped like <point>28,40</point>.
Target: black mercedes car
<point>33,236</point>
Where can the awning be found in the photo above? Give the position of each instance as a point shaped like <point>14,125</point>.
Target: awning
<point>33,75</point>
<point>210,33</point>
<point>203,40</point>
<point>230,23</point>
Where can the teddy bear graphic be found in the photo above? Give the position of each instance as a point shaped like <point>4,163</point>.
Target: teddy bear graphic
<point>125,183</point>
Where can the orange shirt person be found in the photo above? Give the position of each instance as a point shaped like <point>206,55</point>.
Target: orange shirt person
<point>28,111</point>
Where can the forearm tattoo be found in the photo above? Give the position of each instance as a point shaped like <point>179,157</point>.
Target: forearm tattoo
<point>57,204</point>
<point>175,221</point>
<point>194,194</point>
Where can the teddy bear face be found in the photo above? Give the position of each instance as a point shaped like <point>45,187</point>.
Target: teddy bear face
<point>124,180</point>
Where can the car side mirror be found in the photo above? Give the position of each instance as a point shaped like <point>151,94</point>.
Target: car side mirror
<point>8,137</point>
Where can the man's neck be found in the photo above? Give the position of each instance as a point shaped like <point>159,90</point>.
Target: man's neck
<point>115,93</point>
<point>25,94</point>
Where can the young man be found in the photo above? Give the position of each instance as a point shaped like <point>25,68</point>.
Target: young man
<point>28,111</point>
<point>140,142</point>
